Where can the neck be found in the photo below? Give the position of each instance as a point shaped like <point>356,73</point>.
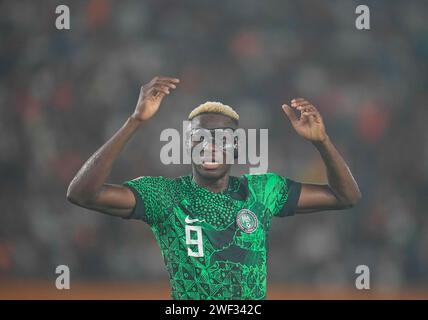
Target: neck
<point>213,185</point>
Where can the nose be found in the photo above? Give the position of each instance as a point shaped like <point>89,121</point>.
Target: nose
<point>210,147</point>
<point>209,150</point>
<point>213,152</point>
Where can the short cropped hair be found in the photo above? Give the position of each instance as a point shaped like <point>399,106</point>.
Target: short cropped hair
<point>214,107</point>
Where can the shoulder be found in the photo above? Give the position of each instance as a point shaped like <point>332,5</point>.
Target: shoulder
<point>266,185</point>
<point>270,177</point>
<point>153,183</point>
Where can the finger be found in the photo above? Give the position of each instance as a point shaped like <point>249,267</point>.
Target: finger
<point>301,103</point>
<point>159,94</point>
<point>306,107</point>
<point>156,89</point>
<point>166,83</point>
<point>313,112</point>
<point>310,107</point>
<point>163,91</point>
<point>297,100</point>
<point>303,107</point>
<point>305,117</point>
<point>289,113</point>
<point>162,86</point>
<point>170,79</point>
<point>312,117</point>
<point>309,114</point>
<point>175,80</point>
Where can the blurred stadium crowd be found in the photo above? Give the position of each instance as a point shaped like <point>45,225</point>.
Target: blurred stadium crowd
<point>64,93</point>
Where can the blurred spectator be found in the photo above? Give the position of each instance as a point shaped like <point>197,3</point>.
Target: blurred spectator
<point>63,93</point>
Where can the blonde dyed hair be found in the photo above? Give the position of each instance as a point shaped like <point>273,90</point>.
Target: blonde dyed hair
<point>214,107</point>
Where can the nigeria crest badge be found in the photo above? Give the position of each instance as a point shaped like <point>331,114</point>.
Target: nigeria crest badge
<point>247,221</point>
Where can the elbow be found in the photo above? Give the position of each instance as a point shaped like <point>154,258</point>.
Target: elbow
<point>356,198</point>
<point>351,201</point>
<point>72,196</point>
<point>75,197</point>
<point>80,197</point>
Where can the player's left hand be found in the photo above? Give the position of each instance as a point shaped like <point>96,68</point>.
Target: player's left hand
<point>310,124</point>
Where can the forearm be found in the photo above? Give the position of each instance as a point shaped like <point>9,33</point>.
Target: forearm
<point>340,178</point>
<point>94,173</point>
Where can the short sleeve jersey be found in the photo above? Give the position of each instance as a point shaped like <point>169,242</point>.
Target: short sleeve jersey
<point>214,245</point>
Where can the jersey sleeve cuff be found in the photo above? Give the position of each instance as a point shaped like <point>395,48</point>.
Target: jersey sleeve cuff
<point>290,207</point>
<point>138,212</point>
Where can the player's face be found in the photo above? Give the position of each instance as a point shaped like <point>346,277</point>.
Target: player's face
<point>210,168</point>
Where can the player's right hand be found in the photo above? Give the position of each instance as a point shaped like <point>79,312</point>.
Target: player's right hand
<point>151,95</point>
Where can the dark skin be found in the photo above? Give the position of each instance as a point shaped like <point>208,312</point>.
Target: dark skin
<point>342,190</point>
<point>89,189</point>
<point>218,179</point>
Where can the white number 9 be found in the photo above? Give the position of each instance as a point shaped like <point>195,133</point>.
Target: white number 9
<point>197,241</point>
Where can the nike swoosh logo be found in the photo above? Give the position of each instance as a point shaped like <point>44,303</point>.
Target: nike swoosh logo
<point>187,220</point>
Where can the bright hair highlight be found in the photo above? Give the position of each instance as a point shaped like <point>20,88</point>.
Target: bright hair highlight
<point>214,107</point>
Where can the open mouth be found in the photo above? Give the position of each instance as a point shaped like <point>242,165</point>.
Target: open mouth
<point>210,165</point>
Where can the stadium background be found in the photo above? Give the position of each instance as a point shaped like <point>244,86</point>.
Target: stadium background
<point>63,94</point>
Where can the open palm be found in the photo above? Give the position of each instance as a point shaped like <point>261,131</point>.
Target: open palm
<point>151,96</point>
<point>310,124</point>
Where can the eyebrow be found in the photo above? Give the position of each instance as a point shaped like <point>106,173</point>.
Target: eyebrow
<point>214,128</point>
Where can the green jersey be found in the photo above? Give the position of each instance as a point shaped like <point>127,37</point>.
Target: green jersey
<point>214,244</point>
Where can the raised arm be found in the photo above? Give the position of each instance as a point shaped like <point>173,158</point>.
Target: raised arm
<point>342,190</point>
<point>88,188</point>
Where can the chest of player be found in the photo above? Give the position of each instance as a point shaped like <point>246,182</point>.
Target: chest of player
<point>229,229</point>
